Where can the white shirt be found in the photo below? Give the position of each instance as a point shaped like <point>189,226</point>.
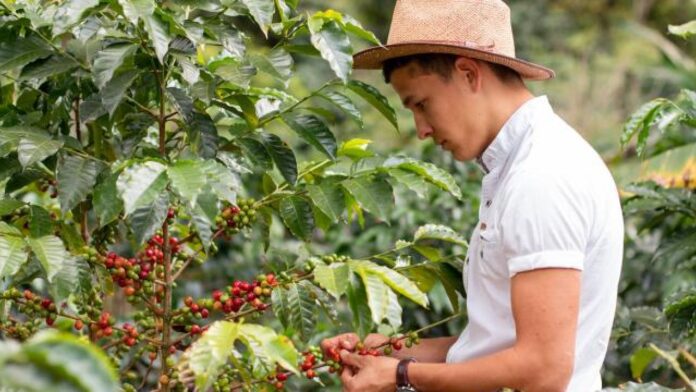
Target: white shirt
<point>547,201</point>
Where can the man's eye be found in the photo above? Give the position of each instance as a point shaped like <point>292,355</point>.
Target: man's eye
<point>421,105</point>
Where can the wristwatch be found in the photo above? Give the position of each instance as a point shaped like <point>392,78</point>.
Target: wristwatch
<point>402,383</point>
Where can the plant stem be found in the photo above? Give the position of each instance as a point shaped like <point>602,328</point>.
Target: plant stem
<point>675,365</point>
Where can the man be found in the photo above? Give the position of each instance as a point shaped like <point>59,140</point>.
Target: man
<point>545,258</point>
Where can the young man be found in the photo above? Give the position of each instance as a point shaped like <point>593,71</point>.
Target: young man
<point>544,260</point>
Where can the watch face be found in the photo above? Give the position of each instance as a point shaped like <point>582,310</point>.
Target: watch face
<point>405,389</point>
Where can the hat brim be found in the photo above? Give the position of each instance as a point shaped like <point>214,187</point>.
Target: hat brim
<point>373,58</point>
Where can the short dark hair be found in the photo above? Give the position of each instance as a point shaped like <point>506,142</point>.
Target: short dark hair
<point>442,64</point>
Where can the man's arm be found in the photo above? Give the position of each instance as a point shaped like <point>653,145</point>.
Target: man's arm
<point>545,306</point>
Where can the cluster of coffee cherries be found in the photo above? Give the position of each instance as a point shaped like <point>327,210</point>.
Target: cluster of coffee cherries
<point>243,292</point>
<point>234,218</point>
<point>37,309</point>
<point>103,327</point>
<point>396,344</point>
<point>138,273</point>
<point>311,359</point>
<point>327,259</point>
<point>49,184</point>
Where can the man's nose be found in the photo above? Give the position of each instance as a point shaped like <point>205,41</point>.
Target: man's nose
<point>422,128</point>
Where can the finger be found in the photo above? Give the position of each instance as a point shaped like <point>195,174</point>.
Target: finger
<point>374,340</point>
<point>347,375</point>
<point>351,359</point>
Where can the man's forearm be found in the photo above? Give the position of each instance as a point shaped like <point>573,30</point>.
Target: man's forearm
<point>433,350</point>
<point>508,368</point>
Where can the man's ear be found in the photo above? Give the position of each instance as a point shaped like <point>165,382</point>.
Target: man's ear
<point>469,71</point>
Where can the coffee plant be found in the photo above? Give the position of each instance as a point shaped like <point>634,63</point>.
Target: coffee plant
<point>660,324</point>
<point>137,139</point>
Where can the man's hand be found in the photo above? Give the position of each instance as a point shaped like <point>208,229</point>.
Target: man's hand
<point>366,373</point>
<point>347,341</point>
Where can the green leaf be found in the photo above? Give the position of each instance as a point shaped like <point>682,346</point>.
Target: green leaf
<point>51,254</point>
<point>641,121</point>
<point>20,52</point>
<point>394,310</point>
<point>313,131</point>
<point>91,108</point>
<point>271,348</point>
<point>329,198</point>
<point>146,220</point>
<point>451,280</point>
<point>203,135</point>
<point>681,313</point>
<point>233,71</point>
<point>411,180</point>
<point>107,204</point>
<point>640,361</point>
<point>83,366</point>
<point>67,279</point>
<point>345,104</point>
<point>377,294</point>
<point>262,11</point>
<point>352,26</point>
<point>11,136</point>
<point>113,92</point>
<point>395,280</point>
<point>333,278</point>
<point>76,178</point>
<point>210,352</point>
<point>140,184</point>
<point>35,148</point>
<point>203,215</point>
<point>181,102</point>
<point>429,172</point>
<point>302,309</point>
<point>40,223</point>
<point>256,152</point>
<point>685,30</point>
<point>374,195</point>
<point>297,216</point>
<point>280,306</point>
<point>70,13</point>
<point>430,253</point>
<point>357,301</point>
<point>334,46</point>
<point>108,60</point>
<point>283,157</point>
<point>438,232</point>
<point>159,35</point>
<point>224,183</point>
<point>44,68</point>
<point>425,276</point>
<point>136,9</point>
<point>355,149</point>
<point>12,250</point>
<point>8,206</point>
<point>188,178</point>
<point>376,99</point>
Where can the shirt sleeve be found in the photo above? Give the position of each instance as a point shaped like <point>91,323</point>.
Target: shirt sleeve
<point>545,223</point>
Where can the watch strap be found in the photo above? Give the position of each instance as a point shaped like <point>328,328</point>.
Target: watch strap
<point>402,372</point>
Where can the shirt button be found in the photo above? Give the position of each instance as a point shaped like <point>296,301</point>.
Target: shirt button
<point>483,226</point>
<point>488,203</point>
<point>481,254</point>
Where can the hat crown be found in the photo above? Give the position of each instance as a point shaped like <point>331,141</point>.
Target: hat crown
<point>483,24</point>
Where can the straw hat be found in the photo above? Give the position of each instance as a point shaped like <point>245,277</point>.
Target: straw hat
<point>479,29</point>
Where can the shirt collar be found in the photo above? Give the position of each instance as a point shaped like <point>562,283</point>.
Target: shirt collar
<point>511,133</point>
